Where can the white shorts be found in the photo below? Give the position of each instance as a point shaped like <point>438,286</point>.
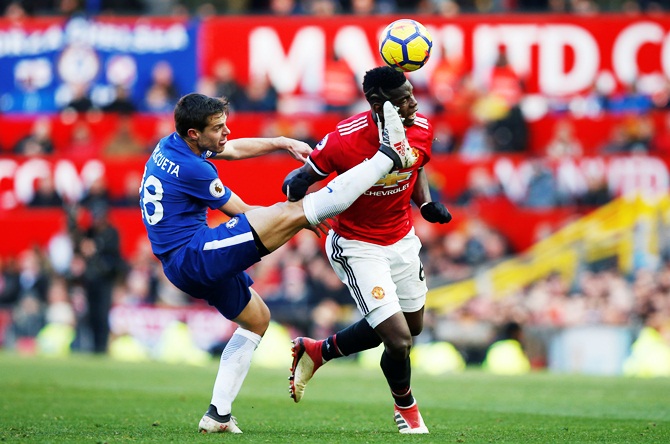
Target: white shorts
<point>383,280</point>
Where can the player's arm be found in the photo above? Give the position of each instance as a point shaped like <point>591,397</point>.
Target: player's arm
<point>433,212</point>
<point>235,205</point>
<point>298,181</point>
<point>248,147</point>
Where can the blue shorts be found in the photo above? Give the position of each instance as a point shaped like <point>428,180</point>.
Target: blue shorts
<point>212,266</point>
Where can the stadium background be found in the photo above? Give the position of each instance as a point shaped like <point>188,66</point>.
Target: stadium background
<point>589,284</point>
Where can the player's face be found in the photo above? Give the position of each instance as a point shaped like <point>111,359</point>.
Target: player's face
<point>215,135</point>
<point>403,98</point>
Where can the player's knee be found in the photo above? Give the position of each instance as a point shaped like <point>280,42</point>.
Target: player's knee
<point>399,347</point>
<point>263,319</point>
<point>416,329</point>
<point>256,316</point>
<point>415,322</point>
<point>259,324</point>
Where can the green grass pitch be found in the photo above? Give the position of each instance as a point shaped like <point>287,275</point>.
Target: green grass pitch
<point>89,399</point>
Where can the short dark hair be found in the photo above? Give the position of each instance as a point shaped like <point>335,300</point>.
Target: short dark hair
<point>193,111</point>
<point>379,80</point>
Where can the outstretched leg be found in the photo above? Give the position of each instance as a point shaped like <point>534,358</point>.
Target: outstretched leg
<point>234,366</point>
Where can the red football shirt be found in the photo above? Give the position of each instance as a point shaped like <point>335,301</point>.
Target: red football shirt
<point>383,214</point>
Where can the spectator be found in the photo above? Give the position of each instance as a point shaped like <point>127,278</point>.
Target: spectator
<point>130,197</point>
<point>285,8</point>
<point>259,95</point>
<point>162,7</point>
<point>83,143</point>
<point>644,131</point>
<point>301,129</point>
<point>371,7</point>
<point>162,94</point>
<point>496,246</point>
<point>124,141</point>
<point>38,141</point>
<point>122,103</point>
<point>15,12</point>
<point>10,285</point>
<point>325,285</point>
<point>563,142</point>
<point>445,84</point>
<point>340,88</point>
<point>71,8</point>
<point>113,7</point>
<point>618,142</point>
<point>597,191</point>
<point>98,246</point>
<point>508,131</point>
<point>79,101</point>
<point>323,8</point>
<point>225,82</point>
<point>33,276</point>
<point>506,355</point>
<point>455,266</point>
<point>584,7</point>
<point>556,6</point>
<point>45,194</point>
<point>481,186</point>
<point>445,8</point>
<point>96,195</point>
<point>27,321</point>
<point>477,142</point>
<point>542,189</point>
<point>142,280</point>
<point>445,140</point>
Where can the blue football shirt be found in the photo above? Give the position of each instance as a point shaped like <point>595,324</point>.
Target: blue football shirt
<point>177,188</point>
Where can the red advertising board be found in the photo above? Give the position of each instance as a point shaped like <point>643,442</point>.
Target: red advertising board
<point>258,181</point>
<point>555,54</point>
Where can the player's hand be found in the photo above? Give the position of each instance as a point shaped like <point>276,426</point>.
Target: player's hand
<point>320,229</point>
<point>298,149</point>
<point>296,184</point>
<point>435,212</point>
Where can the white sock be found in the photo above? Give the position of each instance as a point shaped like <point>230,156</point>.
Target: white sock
<point>233,368</point>
<point>344,189</point>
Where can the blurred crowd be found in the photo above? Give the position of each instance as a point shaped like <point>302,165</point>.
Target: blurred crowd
<point>81,274</point>
<point>596,297</point>
<point>326,7</point>
<point>70,282</point>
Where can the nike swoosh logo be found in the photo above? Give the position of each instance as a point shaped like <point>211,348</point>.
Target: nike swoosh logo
<point>330,190</point>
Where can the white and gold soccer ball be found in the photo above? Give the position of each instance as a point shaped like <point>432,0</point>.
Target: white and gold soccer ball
<point>405,45</point>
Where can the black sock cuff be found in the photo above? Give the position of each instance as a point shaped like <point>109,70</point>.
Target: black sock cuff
<point>213,413</point>
<point>262,249</point>
<point>357,337</point>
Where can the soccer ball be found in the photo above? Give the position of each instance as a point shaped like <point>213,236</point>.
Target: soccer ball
<point>405,45</point>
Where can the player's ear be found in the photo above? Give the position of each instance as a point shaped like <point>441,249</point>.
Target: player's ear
<point>192,134</point>
<point>378,109</point>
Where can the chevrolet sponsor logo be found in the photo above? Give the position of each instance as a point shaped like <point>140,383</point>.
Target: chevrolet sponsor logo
<point>393,179</point>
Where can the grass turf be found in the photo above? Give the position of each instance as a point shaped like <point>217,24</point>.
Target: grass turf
<point>92,399</point>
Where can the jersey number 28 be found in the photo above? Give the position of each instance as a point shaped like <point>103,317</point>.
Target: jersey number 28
<point>152,193</point>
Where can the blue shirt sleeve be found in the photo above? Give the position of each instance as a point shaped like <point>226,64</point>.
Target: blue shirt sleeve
<point>201,180</point>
